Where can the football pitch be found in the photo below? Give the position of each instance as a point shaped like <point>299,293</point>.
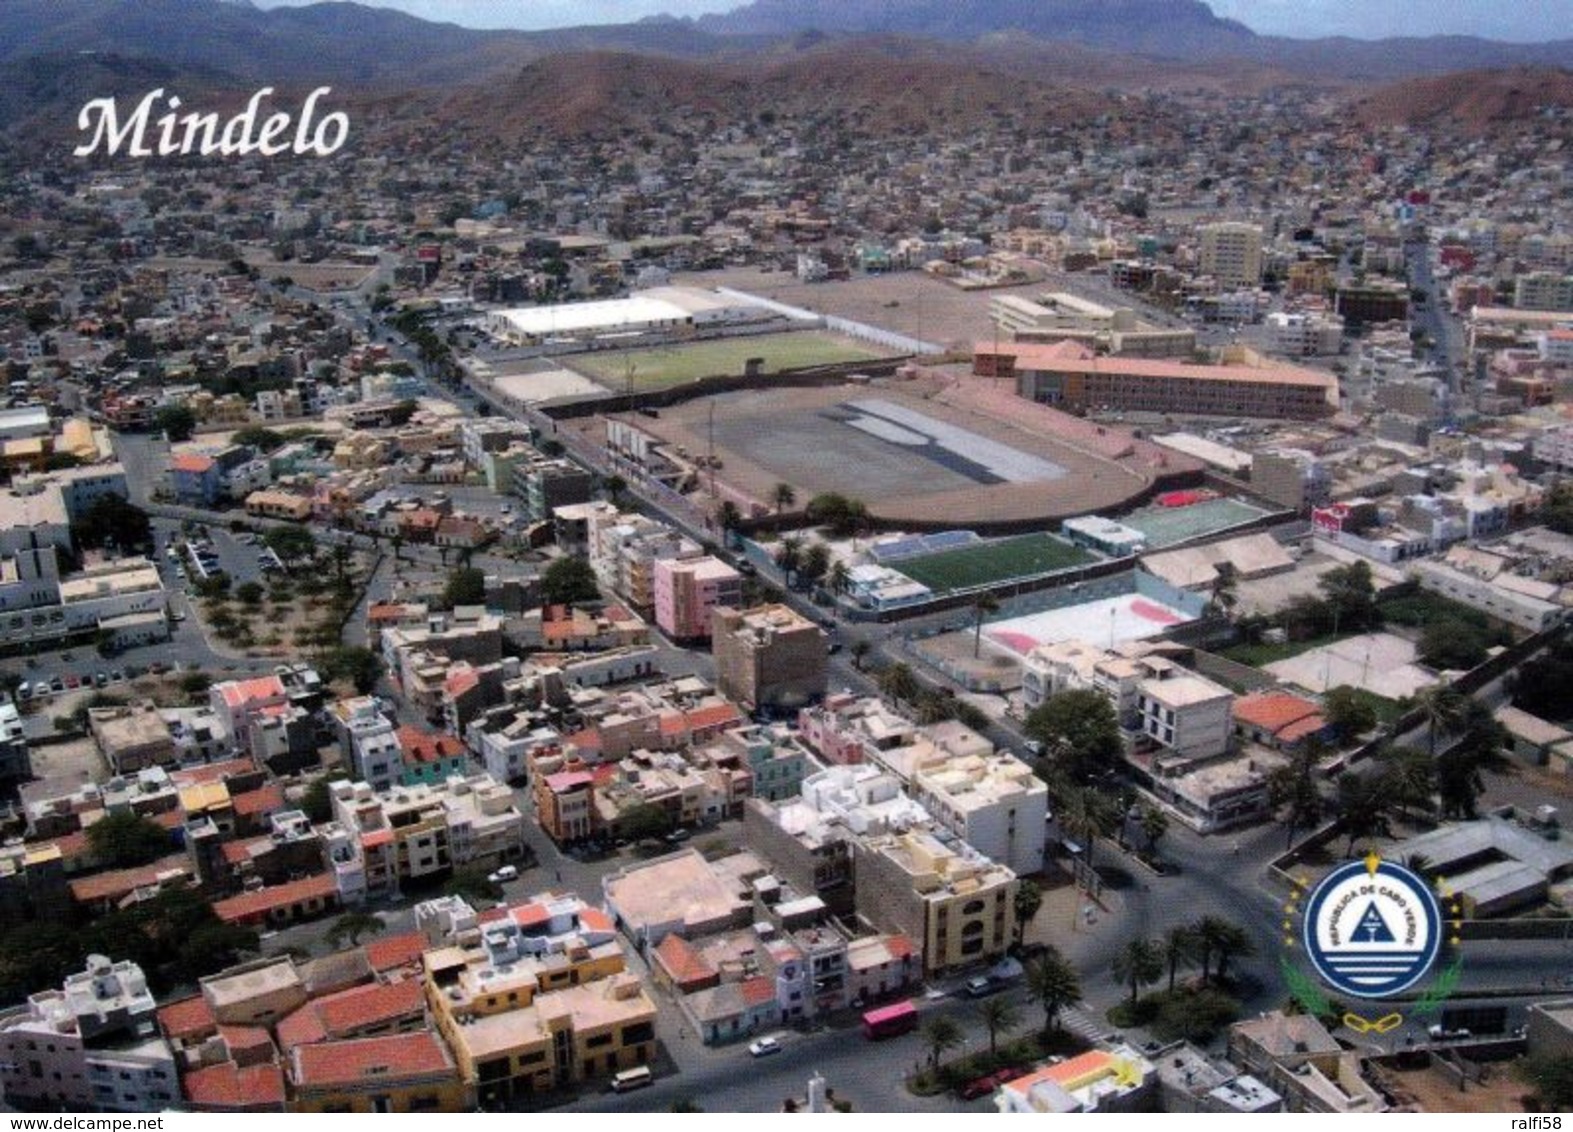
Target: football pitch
<point>984,565</point>
<point>665,366</point>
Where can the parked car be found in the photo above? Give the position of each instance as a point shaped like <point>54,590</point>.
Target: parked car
<point>678,836</point>
<point>503,875</point>
<point>981,987</point>
<point>764,1047</point>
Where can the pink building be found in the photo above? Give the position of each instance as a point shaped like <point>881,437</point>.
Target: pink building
<point>686,590</point>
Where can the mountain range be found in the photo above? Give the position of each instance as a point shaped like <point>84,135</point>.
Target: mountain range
<point>52,51</point>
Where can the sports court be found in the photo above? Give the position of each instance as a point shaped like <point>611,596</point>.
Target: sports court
<point>1378,662</point>
<point>987,563</point>
<point>665,366</point>
<point>1167,526</point>
<point>1105,623</point>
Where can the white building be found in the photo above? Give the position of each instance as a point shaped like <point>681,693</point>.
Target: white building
<point>1303,335</point>
<point>1188,714</point>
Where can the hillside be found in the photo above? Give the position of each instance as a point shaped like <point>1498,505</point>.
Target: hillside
<point>1473,101</point>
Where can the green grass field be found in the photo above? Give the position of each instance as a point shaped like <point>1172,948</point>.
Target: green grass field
<point>674,365</point>
<point>992,562</point>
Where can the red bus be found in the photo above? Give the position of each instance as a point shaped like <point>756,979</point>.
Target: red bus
<point>888,1021</point>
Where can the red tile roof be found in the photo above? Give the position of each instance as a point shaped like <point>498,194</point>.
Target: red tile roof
<point>188,1018</point>
<point>211,772</point>
<point>715,715</point>
<point>239,693</point>
<point>427,746</point>
<point>191,462</point>
<point>119,882</point>
<point>301,1027</point>
<point>361,1008</point>
<point>595,920</point>
<point>530,915</point>
<point>265,900</point>
<point>239,852</point>
<point>683,962</point>
<point>395,951</point>
<point>1301,728</point>
<point>264,800</point>
<point>247,1044</point>
<point>1272,711</point>
<point>226,1086</point>
<point>353,1063</point>
<point>758,990</point>
<point>899,946</point>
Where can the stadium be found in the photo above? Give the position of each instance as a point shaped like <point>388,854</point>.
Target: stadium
<point>924,453</point>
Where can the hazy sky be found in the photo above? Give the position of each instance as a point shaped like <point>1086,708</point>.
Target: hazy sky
<point>1530,20</point>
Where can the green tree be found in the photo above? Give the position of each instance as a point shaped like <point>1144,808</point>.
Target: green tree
<point>1351,595</point>
<point>1154,823</point>
<point>1461,769</point>
<point>1557,509</point>
<point>983,606</point>
<point>1138,964</point>
<point>789,557</point>
<point>1225,594</point>
<point>399,415</point>
<point>1451,642</point>
<point>359,665</point>
<point>729,517</point>
<point>1551,1076</point>
<point>642,820</point>
<point>1053,985</point>
<point>1348,712</point>
<point>211,947</point>
<point>860,650</point>
<point>111,520</point>
<point>998,1016</point>
<point>940,1033</point>
<point>1363,806</point>
<point>815,564</point>
<point>1224,940</point>
<point>1409,777</point>
<point>291,543</point>
<point>1181,945</point>
<point>1087,814</point>
<point>782,496</point>
<point>1292,789</point>
<point>316,803</point>
<point>1196,1016</point>
<point>465,586</point>
<point>264,440</point>
<point>176,422</point>
<point>125,839</point>
<point>1443,710</point>
<point>1078,731</point>
<point>615,486</point>
<point>1028,899</point>
<point>249,593</point>
<point>899,684</point>
<point>351,926</point>
<point>473,885</point>
<point>839,577</point>
<point>568,581</point>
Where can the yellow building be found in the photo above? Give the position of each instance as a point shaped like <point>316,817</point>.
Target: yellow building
<point>542,1000</point>
<point>397,1073</point>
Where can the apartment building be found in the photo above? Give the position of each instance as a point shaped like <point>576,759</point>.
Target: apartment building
<point>92,1045</point>
<point>1070,376</point>
<point>959,904</point>
<point>688,589</point>
<point>1188,714</point>
<point>1543,291</point>
<point>768,657</point>
<point>1231,253</point>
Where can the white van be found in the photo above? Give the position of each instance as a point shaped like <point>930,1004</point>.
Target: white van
<point>636,1078</point>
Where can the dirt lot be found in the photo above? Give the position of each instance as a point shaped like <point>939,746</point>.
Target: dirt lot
<point>1435,1090</point>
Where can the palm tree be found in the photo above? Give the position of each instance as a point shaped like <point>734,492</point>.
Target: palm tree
<point>1224,939</point>
<point>1087,815</point>
<point>982,605</point>
<point>353,925</point>
<point>729,517</point>
<point>783,497</point>
<point>1139,963</point>
<point>900,684</point>
<point>998,1016</point>
<point>615,485</point>
<point>1028,899</point>
<point>1363,803</point>
<point>940,1033</point>
<point>839,577</point>
<point>1443,710</point>
<point>789,556</point>
<point>1224,597</point>
<point>860,650</point>
<point>1154,824</point>
<point>1053,985</point>
<point>1180,945</point>
<point>1409,776</point>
